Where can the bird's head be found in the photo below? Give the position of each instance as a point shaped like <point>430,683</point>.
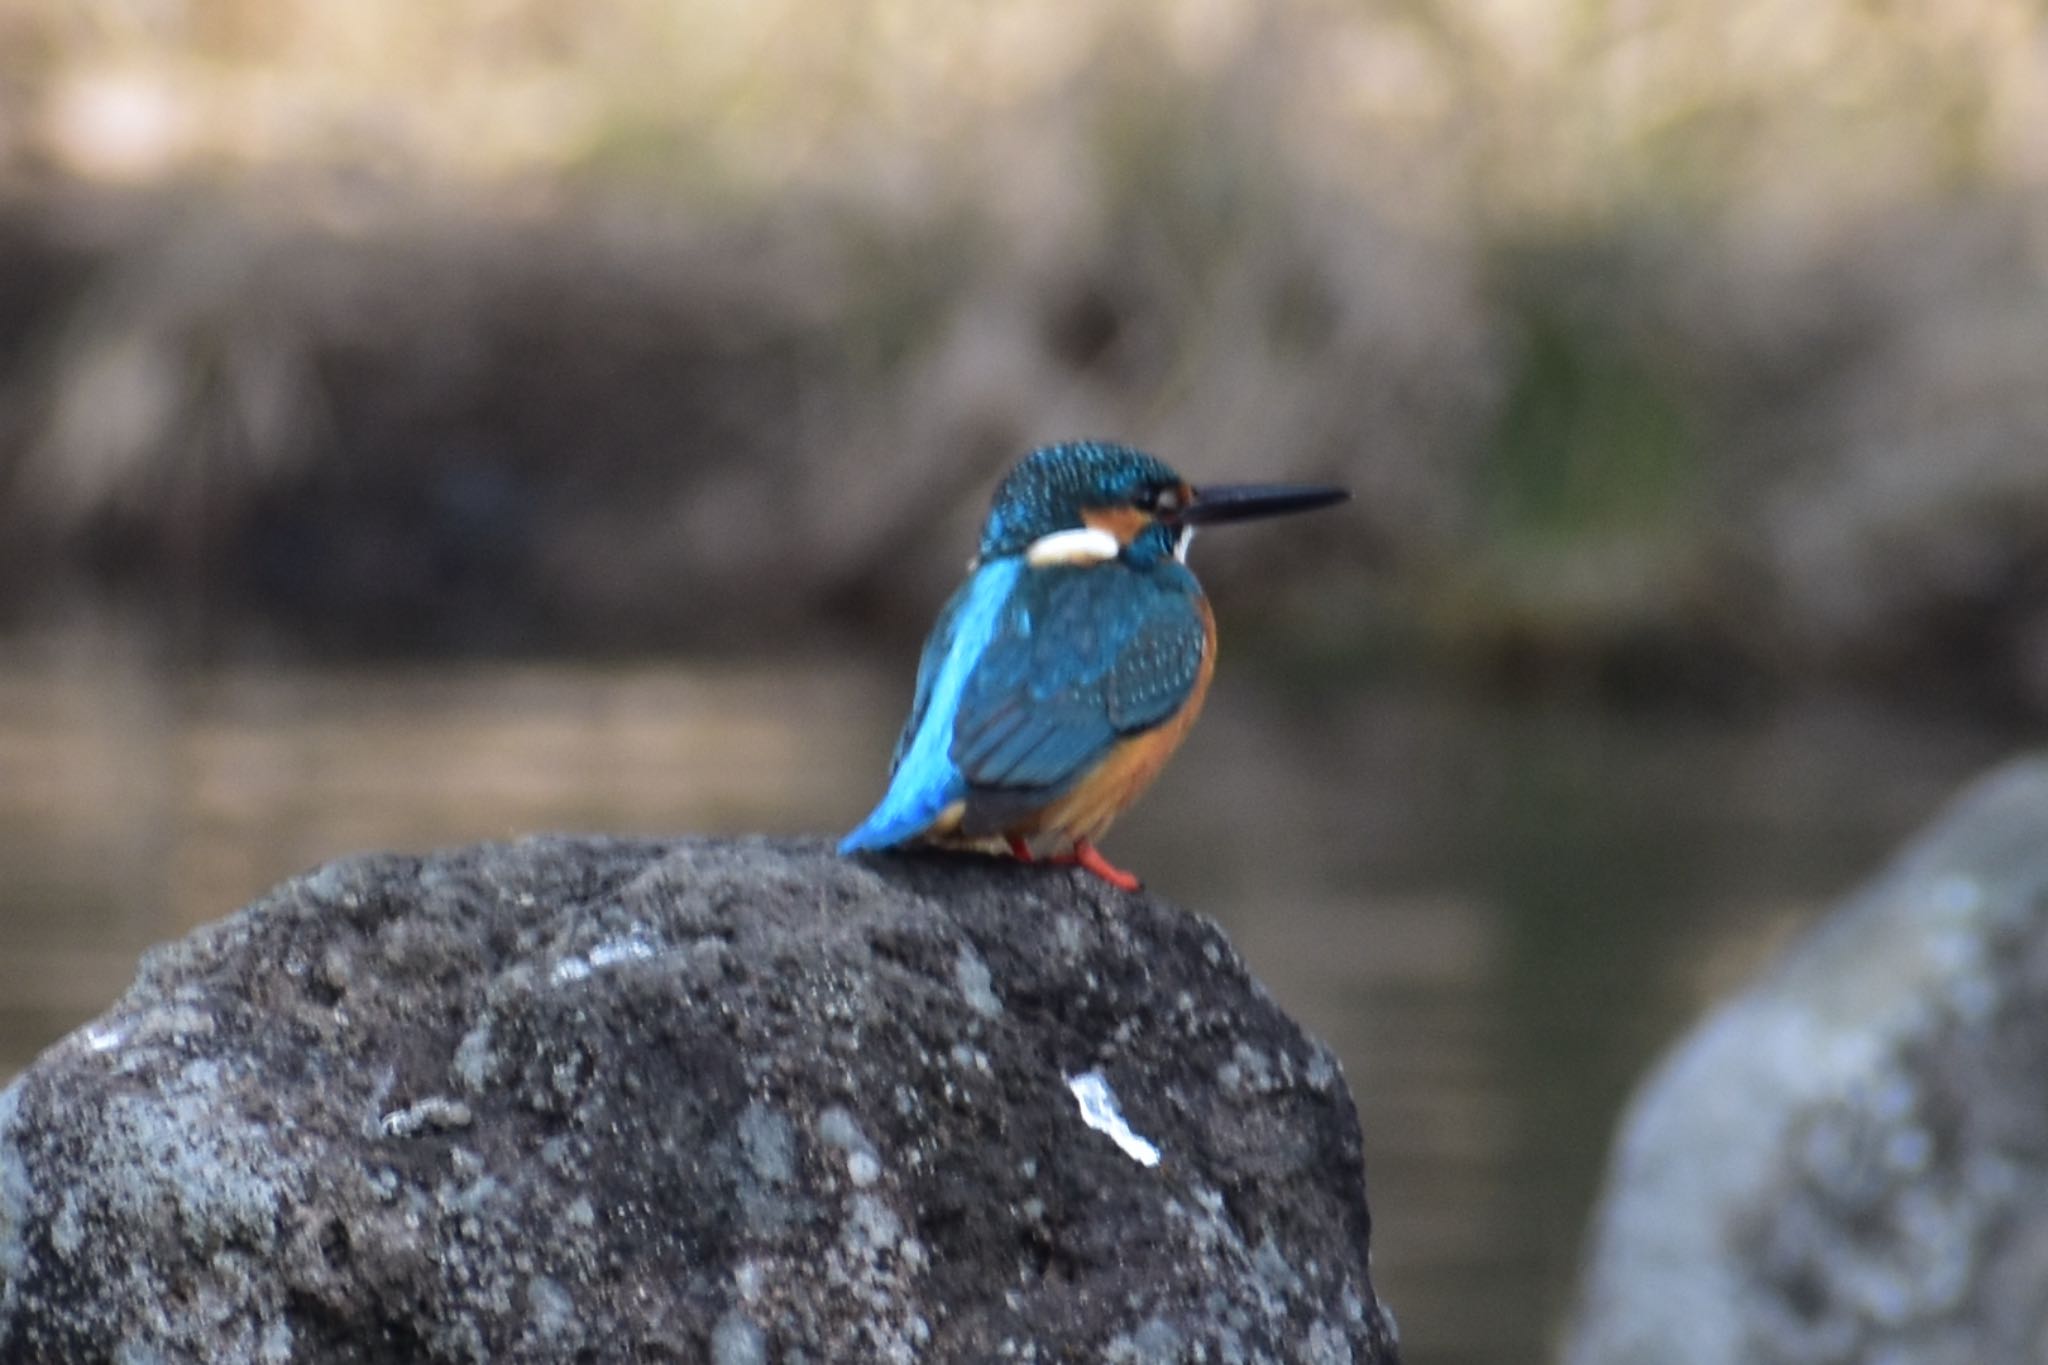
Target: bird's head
<point>1089,502</point>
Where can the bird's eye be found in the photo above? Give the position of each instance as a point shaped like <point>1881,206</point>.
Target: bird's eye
<point>1165,501</point>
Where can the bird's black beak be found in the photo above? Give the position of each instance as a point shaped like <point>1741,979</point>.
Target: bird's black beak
<point>1244,501</point>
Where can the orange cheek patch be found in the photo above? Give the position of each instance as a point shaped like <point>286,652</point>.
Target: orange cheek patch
<point>1125,523</point>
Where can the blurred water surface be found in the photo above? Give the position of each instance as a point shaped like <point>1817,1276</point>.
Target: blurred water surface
<point>1496,914</point>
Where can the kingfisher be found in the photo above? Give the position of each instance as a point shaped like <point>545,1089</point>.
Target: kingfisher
<point>1068,667</point>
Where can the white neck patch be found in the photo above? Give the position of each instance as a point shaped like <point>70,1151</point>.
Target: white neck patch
<point>1082,545</point>
<point>1181,543</point>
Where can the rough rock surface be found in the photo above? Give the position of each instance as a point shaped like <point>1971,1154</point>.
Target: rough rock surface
<point>727,1101</point>
<point>1849,1162</point>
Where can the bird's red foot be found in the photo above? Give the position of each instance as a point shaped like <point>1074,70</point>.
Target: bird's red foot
<point>1086,856</point>
<point>1020,849</point>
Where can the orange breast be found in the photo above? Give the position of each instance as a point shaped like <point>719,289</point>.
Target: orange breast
<point>1087,810</point>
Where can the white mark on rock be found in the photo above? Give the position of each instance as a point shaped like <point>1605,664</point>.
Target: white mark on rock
<point>474,1061</point>
<point>67,1229</point>
<point>842,1130</point>
<point>613,951</point>
<point>1071,937</point>
<point>436,1114</point>
<point>276,1346</point>
<point>551,1309</point>
<point>1099,1111</point>
<point>737,1341</point>
<point>632,947</point>
<point>100,1038</point>
<point>872,1226</point>
<point>769,1143</point>
<point>972,974</point>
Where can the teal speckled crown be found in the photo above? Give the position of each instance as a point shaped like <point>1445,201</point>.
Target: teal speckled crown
<point>1050,486</point>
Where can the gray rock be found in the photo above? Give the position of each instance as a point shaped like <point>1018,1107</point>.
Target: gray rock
<point>735,1101</point>
<point>1849,1162</point>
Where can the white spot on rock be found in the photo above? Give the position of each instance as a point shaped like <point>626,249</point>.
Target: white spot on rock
<point>474,1061</point>
<point>872,1225</point>
<point>551,1309</point>
<point>737,1341</point>
<point>839,1128</point>
<point>631,948</point>
<point>434,1114</point>
<point>1099,1111</point>
<point>973,977</point>
<point>769,1143</point>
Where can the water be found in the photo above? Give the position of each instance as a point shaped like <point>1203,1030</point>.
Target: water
<point>1496,915</point>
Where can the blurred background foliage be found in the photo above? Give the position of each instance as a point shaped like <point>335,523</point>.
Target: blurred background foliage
<point>1671,345</point>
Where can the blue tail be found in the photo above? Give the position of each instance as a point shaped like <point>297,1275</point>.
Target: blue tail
<point>925,781</point>
<point>896,821</point>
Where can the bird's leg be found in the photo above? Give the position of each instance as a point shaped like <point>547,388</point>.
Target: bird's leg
<point>1086,856</point>
<point>1020,848</point>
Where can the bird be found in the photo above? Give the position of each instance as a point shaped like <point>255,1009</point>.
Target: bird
<point>1067,668</point>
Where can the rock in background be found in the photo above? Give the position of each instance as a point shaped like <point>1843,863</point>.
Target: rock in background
<point>1850,1161</point>
<point>594,1100</point>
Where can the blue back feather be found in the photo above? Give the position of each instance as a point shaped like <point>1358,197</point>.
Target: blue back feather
<point>923,780</point>
<point>1082,657</point>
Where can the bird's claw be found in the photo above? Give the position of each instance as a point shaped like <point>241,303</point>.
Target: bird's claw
<point>1086,856</point>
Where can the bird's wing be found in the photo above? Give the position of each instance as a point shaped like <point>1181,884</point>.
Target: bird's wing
<point>937,646</point>
<point>1080,658</point>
